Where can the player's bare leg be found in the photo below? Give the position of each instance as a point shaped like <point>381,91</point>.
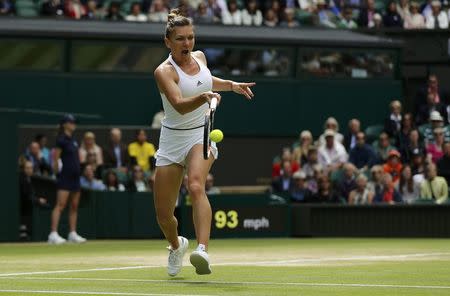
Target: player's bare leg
<point>167,186</point>
<point>198,170</point>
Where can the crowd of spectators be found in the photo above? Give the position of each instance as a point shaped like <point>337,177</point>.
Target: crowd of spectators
<point>115,167</point>
<point>408,161</point>
<point>431,14</point>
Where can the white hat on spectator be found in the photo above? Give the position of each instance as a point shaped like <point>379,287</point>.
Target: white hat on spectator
<point>299,175</point>
<point>436,116</point>
<point>329,133</point>
<point>436,3</point>
<point>332,121</point>
<point>306,134</point>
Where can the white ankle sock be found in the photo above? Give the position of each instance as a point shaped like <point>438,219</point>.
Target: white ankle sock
<point>201,247</point>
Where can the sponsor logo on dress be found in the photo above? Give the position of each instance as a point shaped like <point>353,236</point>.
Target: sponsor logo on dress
<point>199,83</point>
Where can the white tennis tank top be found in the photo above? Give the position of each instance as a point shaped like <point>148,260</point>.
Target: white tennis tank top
<point>190,86</point>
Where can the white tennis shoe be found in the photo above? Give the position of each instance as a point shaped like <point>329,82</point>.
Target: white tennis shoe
<point>55,239</point>
<point>76,238</point>
<point>200,260</point>
<point>175,260</point>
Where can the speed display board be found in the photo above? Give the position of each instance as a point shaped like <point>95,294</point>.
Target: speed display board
<point>242,216</point>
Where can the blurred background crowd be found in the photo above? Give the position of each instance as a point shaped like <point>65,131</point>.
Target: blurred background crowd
<point>404,159</point>
<point>116,167</point>
<point>345,14</point>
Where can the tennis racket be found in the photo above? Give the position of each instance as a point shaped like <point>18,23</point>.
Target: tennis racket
<point>209,126</point>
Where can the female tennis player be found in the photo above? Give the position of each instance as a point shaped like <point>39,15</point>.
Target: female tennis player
<point>68,181</point>
<point>186,86</point>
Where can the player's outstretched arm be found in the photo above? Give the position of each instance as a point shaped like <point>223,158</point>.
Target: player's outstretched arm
<point>242,88</point>
<point>166,84</point>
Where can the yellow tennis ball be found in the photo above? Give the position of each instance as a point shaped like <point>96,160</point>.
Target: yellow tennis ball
<point>216,135</point>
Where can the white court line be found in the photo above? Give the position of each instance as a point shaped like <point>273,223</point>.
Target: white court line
<point>241,263</point>
<point>358,285</point>
<point>79,270</point>
<point>336,259</point>
<point>94,293</point>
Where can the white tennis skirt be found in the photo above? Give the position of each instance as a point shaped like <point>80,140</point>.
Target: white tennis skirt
<point>174,145</point>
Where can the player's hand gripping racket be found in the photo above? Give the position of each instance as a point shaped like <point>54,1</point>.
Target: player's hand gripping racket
<point>209,126</point>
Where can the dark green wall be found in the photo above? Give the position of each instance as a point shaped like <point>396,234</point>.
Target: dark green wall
<point>105,215</point>
<point>120,100</point>
<point>280,107</point>
<point>9,211</point>
<point>422,219</point>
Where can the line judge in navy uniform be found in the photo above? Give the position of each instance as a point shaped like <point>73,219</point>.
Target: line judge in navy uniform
<point>66,165</point>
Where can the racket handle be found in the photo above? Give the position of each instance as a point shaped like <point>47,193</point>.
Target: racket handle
<point>213,104</point>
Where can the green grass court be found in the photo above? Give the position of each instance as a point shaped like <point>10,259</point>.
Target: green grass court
<point>240,267</point>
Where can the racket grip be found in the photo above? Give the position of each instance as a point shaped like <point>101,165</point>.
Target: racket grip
<point>213,104</point>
